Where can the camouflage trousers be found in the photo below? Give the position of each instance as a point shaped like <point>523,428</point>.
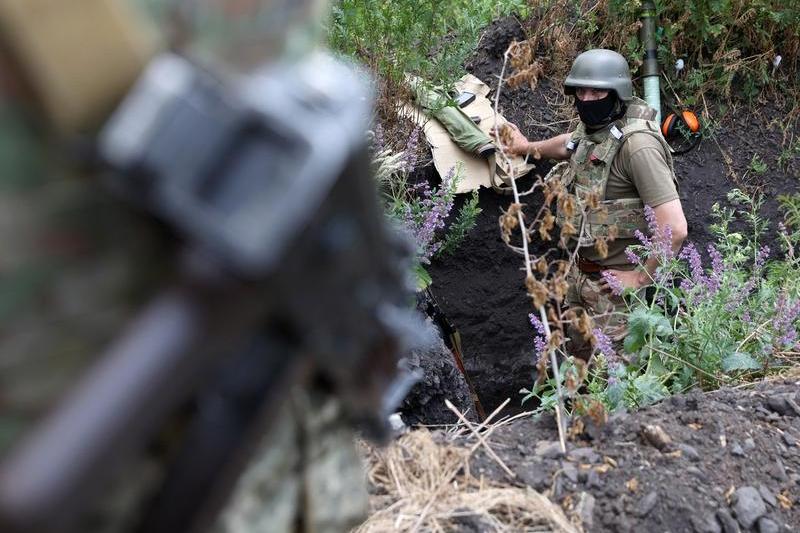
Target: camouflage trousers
<point>306,477</point>
<point>608,312</point>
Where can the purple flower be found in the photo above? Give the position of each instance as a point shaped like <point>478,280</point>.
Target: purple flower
<point>738,296</point>
<point>665,243</point>
<point>428,215</point>
<point>717,264</point>
<point>537,324</point>
<point>613,283</point>
<point>410,152</point>
<point>659,242</point>
<point>604,344</point>
<point>686,285</point>
<point>642,239</point>
<point>786,314</point>
<point>652,223</point>
<point>540,347</point>
<point>761,257</point>
<point>605,347</point>
<point>714,279</point>
<point>692,256</point>
<point>632,257</point>
<point>540,341</point>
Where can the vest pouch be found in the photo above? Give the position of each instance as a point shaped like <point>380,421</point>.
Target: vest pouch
<point>626,214</point>
<point>581,153</point>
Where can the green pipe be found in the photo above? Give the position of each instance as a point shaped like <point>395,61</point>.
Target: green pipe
<point>650,71</point>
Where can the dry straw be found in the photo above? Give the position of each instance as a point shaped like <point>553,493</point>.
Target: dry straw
<point>421,485</point>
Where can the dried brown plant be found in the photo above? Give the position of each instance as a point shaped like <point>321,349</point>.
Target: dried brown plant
<point>546,279</point>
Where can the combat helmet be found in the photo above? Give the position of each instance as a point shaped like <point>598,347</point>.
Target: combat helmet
<point>600,69</point>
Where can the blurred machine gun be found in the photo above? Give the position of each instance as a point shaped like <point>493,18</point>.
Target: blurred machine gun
<point>287,272</point>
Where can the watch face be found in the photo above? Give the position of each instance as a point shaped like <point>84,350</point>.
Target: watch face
<point>242,34</point>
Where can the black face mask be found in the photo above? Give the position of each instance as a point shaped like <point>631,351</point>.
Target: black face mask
<point>598,113</point>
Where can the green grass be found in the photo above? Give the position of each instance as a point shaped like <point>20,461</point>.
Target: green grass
<point>429,38</point>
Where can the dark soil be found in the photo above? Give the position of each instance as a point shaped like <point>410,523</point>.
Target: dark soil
<point>440,380</point>
<point>732,458</point>
<point>480,287</point>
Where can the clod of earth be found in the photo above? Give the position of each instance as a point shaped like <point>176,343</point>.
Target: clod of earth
<point>646,504</point>
<point>748,506</point>
<point>765,525</point>
<point>729,524</point>
<point>657,437</point>
<point>767,496</point>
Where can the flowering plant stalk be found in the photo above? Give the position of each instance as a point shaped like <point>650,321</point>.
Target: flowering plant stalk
<point>419,209</point>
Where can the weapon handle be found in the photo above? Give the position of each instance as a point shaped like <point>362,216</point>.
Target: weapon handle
<point>140,379</point>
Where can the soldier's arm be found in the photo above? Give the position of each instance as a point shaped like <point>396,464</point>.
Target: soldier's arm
<point>667,214</point>
<point>652,176</point>
<point>552,148</point>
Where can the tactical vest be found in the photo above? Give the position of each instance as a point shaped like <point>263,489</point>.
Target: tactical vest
<point>588,169</point>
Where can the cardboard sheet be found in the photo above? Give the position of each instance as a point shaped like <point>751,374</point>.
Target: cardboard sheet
<point>475,171</point>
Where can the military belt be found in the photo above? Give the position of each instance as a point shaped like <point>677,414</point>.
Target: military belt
<point>589,267</point>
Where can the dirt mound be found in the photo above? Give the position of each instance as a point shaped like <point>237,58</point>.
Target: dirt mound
<point>696,462</point>
<point>480,288</point>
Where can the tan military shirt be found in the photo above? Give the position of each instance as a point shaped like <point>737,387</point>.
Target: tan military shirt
<point>640,169</point>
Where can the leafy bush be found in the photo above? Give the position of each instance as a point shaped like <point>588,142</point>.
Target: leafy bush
<point>696,325</point>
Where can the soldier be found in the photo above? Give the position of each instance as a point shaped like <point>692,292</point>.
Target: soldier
<point>617,150</point>
<point>76,267</point>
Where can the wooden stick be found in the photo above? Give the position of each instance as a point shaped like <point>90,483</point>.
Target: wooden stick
<point>529,273</point>
<point>482,441</point>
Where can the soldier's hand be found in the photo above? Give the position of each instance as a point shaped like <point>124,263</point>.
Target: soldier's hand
<point>629,279</point>
<point>511,139</point>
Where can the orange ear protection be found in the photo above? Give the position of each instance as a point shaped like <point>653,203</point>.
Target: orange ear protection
<point>687,117</point>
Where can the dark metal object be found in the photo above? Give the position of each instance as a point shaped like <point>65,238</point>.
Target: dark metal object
<point>268,184</point>
<point>232,414</point>
<point>465,98</point>
<point>648,38</point>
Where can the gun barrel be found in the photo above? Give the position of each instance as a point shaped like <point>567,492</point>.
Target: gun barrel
<point>137,382</point>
